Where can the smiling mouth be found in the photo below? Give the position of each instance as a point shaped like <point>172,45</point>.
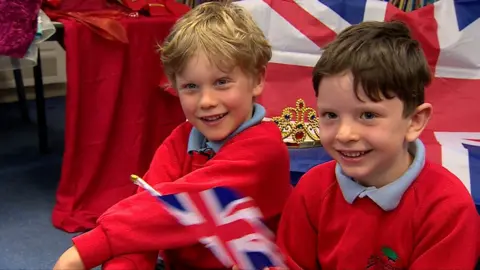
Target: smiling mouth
<point>213,117</point>
<point>354,154</point>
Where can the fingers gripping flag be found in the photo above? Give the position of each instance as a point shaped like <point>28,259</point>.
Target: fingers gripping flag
<point>230,225</point>
<point>448,33</point>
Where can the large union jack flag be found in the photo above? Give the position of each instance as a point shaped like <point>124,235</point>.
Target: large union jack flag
<point>449,33</point>
<point>230,225</point>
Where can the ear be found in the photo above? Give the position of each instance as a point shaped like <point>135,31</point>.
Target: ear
<point>418,121</point>
<point>259,83</point>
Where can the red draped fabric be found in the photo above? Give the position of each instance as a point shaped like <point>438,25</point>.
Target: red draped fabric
<point>116,116</point>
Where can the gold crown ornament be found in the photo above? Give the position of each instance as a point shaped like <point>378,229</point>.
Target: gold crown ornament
<point>299,126</point>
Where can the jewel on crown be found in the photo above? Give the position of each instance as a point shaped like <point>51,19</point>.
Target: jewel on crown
<point>299,124</point>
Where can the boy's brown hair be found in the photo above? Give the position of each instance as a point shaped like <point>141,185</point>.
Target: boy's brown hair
<point>225,32</point>
<point>383,58</point>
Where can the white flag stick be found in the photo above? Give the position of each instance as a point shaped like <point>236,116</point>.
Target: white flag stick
<point>141,183</point>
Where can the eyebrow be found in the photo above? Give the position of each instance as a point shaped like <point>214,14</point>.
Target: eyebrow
<point>363,107</point>
<point>183,84</point>
<point>217,77</point>
<point>320,108</point>
<point>372,105</point>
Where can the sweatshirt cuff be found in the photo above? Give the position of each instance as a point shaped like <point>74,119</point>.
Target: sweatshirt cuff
<point>93,247</point>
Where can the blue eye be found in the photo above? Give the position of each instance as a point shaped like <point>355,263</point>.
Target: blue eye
<point>221,82</point>
<point>368,115</point>
<point>330,115</point>
<point>190,86</point>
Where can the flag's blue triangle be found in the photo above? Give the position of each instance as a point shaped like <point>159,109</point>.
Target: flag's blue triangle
<point>225,196</point>
<point>467,12</point>
<point>172,201</point>
<point>351,11</point>
<point>474,158</point>
<point>260,260</point>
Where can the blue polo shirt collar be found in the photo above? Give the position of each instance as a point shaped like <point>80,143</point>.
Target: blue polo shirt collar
<point>387,197</point>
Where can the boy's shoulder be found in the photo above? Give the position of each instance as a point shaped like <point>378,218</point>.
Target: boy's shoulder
<point>436,185</point>
<point>318,181</point>
<point>263,139</point>
<point>182,130</point>
<point>263,129</point>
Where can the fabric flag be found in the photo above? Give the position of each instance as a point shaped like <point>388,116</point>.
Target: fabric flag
<point>448,32</point>
<point>230,225</point>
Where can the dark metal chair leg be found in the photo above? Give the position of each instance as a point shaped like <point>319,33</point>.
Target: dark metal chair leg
<point>22,98</point>
<point>40,102</point>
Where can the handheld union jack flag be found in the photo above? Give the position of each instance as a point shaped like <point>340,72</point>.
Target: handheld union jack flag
<point>448,32</point>
<point>230,225</point>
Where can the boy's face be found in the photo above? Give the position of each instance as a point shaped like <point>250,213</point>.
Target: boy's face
<point>368,139</point>
<point>216,102</point>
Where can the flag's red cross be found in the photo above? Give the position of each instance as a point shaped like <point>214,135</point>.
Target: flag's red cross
<point>452,113</point>
<point>224,232</point>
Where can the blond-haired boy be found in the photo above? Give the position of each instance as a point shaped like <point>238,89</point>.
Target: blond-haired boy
<point>215,57</point>
<point>379,204</point>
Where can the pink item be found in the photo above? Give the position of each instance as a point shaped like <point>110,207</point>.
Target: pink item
<point>18,25</point>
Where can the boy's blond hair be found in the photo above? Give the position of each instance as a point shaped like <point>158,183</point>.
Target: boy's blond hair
<point>225,32</point>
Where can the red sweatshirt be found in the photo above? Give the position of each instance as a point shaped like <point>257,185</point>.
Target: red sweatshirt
<point>435,225</point>
<point>255,162</point>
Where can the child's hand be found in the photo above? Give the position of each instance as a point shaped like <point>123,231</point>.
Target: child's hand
<point>70,260</point>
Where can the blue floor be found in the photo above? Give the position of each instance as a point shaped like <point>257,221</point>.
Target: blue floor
<point>27,193</point>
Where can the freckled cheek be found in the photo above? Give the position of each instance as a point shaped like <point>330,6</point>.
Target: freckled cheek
<point>232,95</point>
<point>390,130</point>
<point>189,104</point>
<point>327,133</point>
<point>381,138</point>
<point>234,101</point>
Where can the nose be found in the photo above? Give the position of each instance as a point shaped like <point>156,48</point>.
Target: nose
<point>346,133</point>
<point>208,99</point>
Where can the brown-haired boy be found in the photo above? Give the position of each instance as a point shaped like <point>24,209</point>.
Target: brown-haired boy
<point>215,57</point>
<point>379,204</point>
